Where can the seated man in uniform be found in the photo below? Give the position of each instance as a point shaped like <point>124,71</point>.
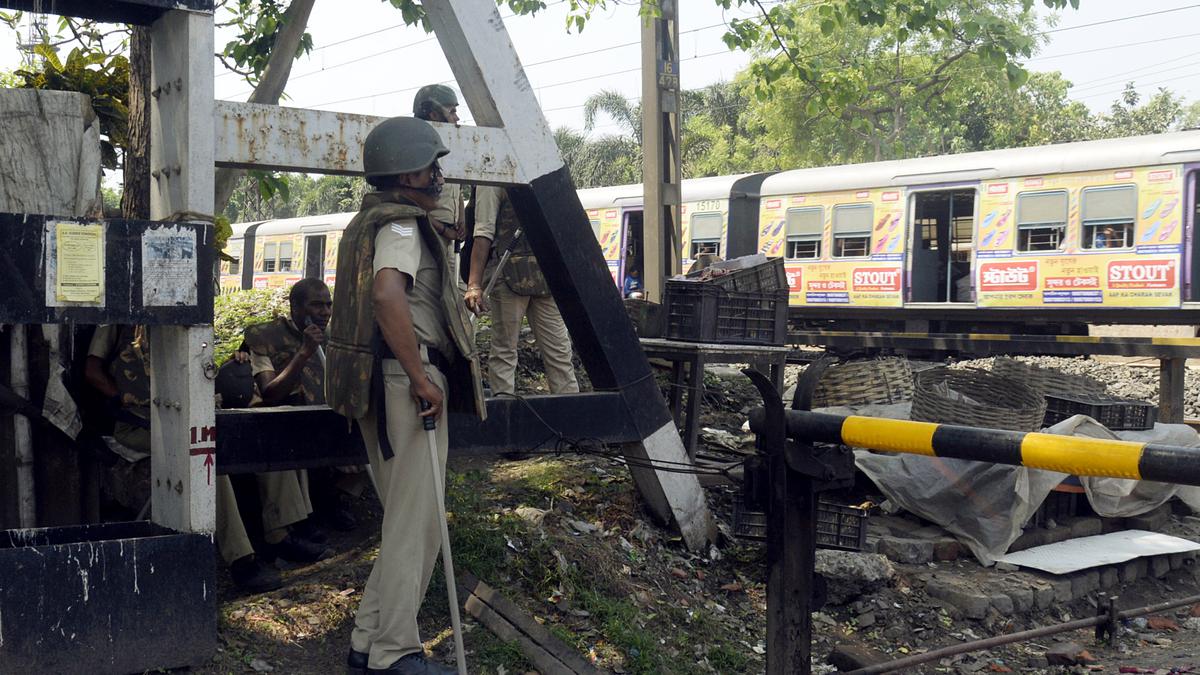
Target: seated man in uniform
<point>289,370</point>
<point>118,366</point>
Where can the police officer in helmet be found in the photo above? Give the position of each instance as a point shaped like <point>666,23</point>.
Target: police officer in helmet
<point>399,336</point>
<point>439,103</point>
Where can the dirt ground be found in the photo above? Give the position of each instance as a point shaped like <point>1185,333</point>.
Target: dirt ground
<point>565,539</point>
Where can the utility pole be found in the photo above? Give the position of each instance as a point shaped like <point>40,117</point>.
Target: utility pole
<point>662,166</point>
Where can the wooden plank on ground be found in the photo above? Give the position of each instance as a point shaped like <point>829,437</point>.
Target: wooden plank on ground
<point>551,655</point>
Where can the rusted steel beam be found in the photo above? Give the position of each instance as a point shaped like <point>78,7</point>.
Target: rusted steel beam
<point>268,137</point>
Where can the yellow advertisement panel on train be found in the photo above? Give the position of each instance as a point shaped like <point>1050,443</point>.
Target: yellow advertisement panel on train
<point>1111,237</point>
<point>606,224</point>
<point>840,248</point>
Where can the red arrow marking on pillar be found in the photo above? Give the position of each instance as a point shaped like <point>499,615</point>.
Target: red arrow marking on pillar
<point>209,458</point>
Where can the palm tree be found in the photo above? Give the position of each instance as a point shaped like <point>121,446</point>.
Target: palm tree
<point>607,160</point>
<point>627,114</point>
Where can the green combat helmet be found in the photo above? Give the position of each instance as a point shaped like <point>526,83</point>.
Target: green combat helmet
<point>433,96</point>
<point>401,145</point>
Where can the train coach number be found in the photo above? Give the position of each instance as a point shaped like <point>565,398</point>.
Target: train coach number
<point>1141,274</point>
<point>882,279</point>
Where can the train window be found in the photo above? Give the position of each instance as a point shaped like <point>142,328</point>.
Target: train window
<point>804,227</point>
<point>1041,220</point>
<point>852,230</point>
<point>235,266</point>
<point>706,233</point>
<point>1109,214</point>
<point>269,251</point>
<point>285,256</point>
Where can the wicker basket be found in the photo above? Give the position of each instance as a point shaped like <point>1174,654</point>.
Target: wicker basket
<point>884,380</point>
<point>976,398</point>
<point>1048,381</point>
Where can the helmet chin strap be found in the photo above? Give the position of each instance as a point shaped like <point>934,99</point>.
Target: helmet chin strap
<point>434,189</point>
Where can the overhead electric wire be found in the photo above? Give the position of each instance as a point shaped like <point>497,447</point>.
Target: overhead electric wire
<point>1113,47</point>
<point>1145,84</point>
<point>544,86</point>
<point>1121,77</point>
<point>528,65</point>
<point>376,32</point>
<point>1116,20</point>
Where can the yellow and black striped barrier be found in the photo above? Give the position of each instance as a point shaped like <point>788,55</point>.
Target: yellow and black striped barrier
<point>1067,454</point>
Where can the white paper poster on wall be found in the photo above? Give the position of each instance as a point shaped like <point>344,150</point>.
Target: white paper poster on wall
<point>74,263</point>
<point>168,266</point>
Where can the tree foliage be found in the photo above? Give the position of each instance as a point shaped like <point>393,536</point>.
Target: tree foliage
<point>264,196</point>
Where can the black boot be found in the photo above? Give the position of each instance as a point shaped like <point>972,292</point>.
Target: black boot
<point>252,576</point>
<point>297,549</point>
<point>356,663</point>
<point>414,664</point>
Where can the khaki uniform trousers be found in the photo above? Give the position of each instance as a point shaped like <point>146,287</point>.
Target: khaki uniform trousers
<point>549,331</point>
<point>386,624</point>
<point>284,497</point>
<point>285,501</point>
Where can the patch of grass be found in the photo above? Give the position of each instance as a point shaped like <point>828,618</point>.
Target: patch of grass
<point>618,621</point>
<point>727,660</point>
<point>492,654</point>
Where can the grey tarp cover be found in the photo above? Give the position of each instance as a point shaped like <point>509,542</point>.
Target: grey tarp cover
<point>986,505</point>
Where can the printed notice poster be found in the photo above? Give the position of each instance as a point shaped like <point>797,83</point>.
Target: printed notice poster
<point>168,267</point>
<point>80,262</point>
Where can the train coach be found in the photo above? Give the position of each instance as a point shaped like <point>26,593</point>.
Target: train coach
<point>1098,228</point>
<point>720,215</point>
<point>1075,228</point>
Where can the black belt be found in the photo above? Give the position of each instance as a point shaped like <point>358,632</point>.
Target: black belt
<point>436,359</point>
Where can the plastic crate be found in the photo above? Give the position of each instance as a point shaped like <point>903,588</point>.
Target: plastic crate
<point>838,527</point>
<point>704,312</point>
<point>841,527</point>
<point>1118,414</point>
<point>647,317</point>
<point>765,278</point>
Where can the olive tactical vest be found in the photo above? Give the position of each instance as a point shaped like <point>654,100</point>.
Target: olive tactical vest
<point>352,353</point>
<point>521,273</point>
<point>130,370</point>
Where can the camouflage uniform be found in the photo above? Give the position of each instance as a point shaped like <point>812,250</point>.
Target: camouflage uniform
<point>520,293</point>
<point>284,494</point>
<point>272,347</point>
<point>126,351</point>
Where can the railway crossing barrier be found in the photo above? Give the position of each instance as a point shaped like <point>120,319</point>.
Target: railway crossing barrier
<point>802,453</point>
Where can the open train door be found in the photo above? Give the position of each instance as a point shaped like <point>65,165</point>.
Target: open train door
<point>943,231</point>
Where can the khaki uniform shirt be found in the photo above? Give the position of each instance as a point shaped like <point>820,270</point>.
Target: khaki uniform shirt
<point>399,246</point>
<point>487,208</point>
<point>449,208</point>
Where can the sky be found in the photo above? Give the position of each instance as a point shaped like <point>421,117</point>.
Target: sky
<point>366,61</point>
